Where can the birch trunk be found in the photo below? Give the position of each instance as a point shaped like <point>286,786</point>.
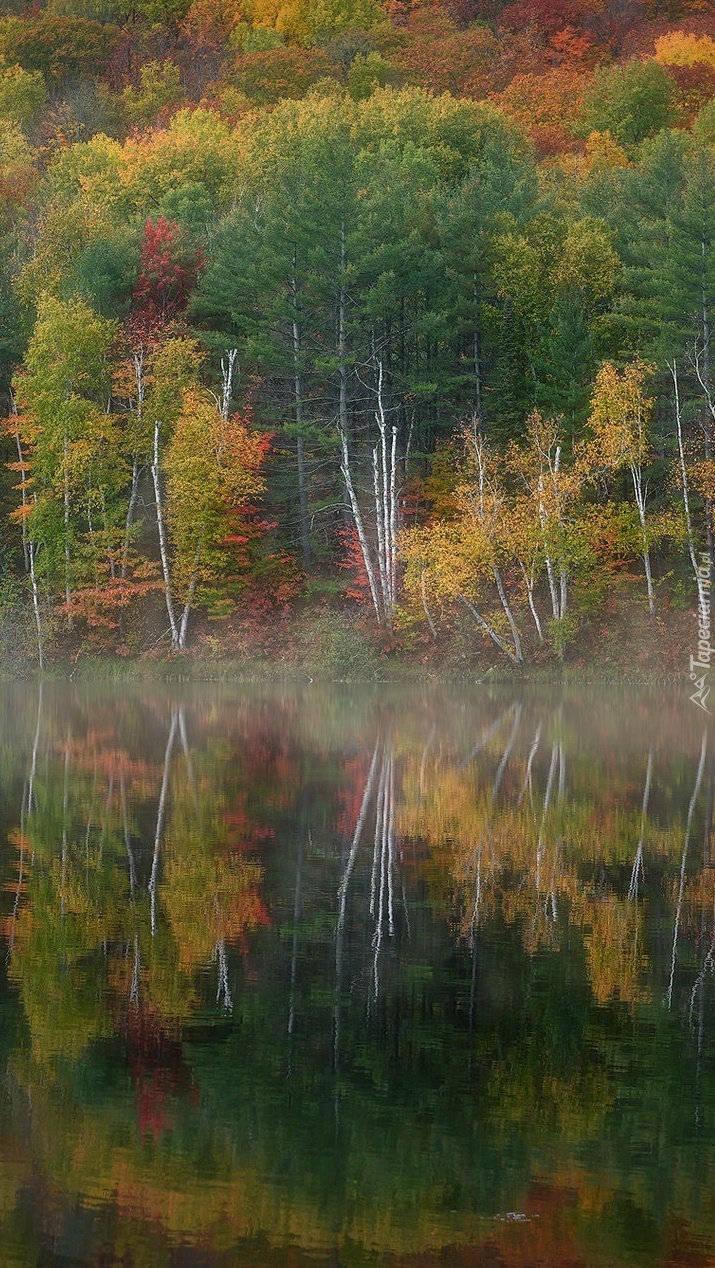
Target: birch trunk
<point>518,653</point>
<point>496,639</point>
<point>156,476</point>
<point>357,518</point>
<point>187,606</point>
<point>228,365</point>
<point>640,494</point>
<point>160,816</point>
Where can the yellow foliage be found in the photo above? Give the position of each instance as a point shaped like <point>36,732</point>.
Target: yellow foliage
<point>603,153</point>
<point>587,261</point>
<point>620,413</point>
<point>678,49</point>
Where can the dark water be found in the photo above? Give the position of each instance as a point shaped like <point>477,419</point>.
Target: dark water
<point>347,977</point>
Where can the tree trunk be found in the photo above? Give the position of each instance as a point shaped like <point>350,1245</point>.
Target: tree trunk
<point>499,642</point>
<point>156,475</point>
<point>160,816</point>
<point>29,550</point>
<point>228,364</point>
<point>509,615</point>
<point>357,517</point>
<point>187,606</point>
<point>640,496</point>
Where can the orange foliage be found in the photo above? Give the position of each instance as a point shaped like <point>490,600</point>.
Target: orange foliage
<point>465,63</point>
<point>546,104</point>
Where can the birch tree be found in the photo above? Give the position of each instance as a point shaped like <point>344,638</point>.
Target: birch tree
<point>463,558</point>
<point>212,466</point>
<point>620,422</point>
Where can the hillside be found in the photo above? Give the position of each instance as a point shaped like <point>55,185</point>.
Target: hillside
<point>398,309</point>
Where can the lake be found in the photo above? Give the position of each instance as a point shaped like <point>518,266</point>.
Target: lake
<point>356,975</point>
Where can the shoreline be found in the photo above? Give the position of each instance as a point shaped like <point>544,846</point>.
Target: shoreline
<point>190,669</point>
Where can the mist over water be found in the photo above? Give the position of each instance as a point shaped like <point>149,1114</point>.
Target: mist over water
<point>356,976</point>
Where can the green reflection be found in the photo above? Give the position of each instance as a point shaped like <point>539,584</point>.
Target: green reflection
<point>375,975</point>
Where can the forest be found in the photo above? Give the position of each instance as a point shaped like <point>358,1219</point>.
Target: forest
<point>364,330</point>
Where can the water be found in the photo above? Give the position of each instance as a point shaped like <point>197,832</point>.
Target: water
<point>356,976</point>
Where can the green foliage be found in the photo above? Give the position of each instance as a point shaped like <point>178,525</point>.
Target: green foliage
<point>632,101</point>
<point>367,72</point>
<point>17,636</point>
<point>159,92</point>
<point>254,39</point>
<point>106,272</point>
<point>60,47</point>
<point>22,96</point>
<point>337,648</point>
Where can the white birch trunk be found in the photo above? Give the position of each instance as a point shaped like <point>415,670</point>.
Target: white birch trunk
<point>529,582</point>
<point>29,550</point>
<point>641,493</point>
<point>357,518</point>
<point>496,639</point>
<point>681,887</point>
<point>156,476</point>
<point>228,365</point>
<point>518,653</point>
<point>160,816</point>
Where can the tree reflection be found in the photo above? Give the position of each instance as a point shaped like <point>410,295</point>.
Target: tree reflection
<point>360,972</point>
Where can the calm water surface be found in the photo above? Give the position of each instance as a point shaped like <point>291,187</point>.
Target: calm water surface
<point>356,976</point>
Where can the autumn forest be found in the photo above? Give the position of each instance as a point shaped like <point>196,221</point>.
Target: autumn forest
<point>357,330</point>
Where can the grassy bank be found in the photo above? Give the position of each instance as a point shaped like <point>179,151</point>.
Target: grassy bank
<point>338,644</point>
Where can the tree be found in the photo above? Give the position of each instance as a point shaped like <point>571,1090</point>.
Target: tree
<point>463,558</point>
<point>167,275</point>
<point>553,482</point>
<point>22,95</point>
<point>157,97</point>
<point>620,425</point>
<point>76,463</point>
<point>62,47</point>
<point>631,102</point>
<point>213,468</point>
<point>307,23</point>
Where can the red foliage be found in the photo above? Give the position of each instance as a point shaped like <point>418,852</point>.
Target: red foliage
<point>641,40</point>
<point>548,141</point>
<point>267,582</point>
<point>167,277</point>
<point>246,833</point>
<point>695,87</point>
<point>545,17</point>
<point>465,63</point>
<point>158,1068</point>
<point>100,605</point>
<point>357,585</point>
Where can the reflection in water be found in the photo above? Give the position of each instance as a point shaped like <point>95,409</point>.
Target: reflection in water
<point>308,973</point>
